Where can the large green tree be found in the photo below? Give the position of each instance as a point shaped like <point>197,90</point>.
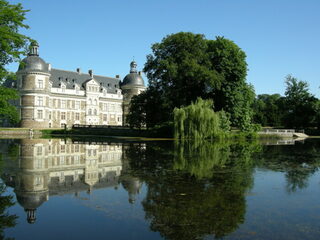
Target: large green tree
<point>235,96</point>
<point>7,110</point>
<point>185,66</point>
<point>301,105</point>
<point>181,69</point>
<point>13,44</point>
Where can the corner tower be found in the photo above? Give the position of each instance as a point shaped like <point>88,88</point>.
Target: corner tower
<point>132,85</point>
<point>34,87</point>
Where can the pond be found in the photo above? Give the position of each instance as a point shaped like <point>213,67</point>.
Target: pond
<point>112,189</point>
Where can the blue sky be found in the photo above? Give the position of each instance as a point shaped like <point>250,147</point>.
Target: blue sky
<point>280,37</point>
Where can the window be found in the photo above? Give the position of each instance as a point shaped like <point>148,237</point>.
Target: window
<point>40,84</point>
<point>105,118</point>
<point>38,181</point>
<point>90,112</point>
<point>90,101</point>
<point>62,148</point>
<point>78,116</point>
<point>76,148</point>
<point>95,111</point>
<point>40,114</point>
<point>105,107</point>
<point>76,160</point>
<point>39,150</point>
<point>49,115</point>
<point>95,102</point>
<point>62,125</point>
<point>63,116</point>
<point>77,105</point>
<point>62,160</point>
<point>63,88</point>
<point>63,103</point>
<point>40,101</point>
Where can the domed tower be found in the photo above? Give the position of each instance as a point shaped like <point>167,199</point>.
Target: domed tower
<point>132,85</point>
<point>32,176</point>
<point>132,185</point>
<point>33,85</point>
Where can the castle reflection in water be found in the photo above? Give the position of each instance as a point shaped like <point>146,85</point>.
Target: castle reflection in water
<point>45,168</point>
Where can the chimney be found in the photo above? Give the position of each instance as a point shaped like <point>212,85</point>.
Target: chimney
<point>90,73</point>
<point>118,76</point>
<point>78,70</point>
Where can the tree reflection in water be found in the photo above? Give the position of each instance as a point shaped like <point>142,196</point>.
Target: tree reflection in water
<point>6,201</point>
<point>200,189</point>
<point>298,163</point>
<point>6,220</point>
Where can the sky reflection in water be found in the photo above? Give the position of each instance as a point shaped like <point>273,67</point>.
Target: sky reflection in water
<point>160,190</point>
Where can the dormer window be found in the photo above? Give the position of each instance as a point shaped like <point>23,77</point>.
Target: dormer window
<point>63,88</point>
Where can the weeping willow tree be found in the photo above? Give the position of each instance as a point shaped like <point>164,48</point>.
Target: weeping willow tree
<point>199,121</point>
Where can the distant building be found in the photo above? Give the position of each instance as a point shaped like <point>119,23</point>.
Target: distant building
<point>53,98</point>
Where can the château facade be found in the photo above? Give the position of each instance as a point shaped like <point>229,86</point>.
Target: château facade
<point>54,98</point>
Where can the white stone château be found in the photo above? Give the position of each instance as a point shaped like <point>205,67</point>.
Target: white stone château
<point>53,98</point>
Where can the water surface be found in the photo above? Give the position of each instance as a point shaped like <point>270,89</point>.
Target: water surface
<point>159,190</point>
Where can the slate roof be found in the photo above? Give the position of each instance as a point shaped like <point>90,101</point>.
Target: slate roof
<point>70,78</point>
<point>34,63</point>
<point>133,79</point>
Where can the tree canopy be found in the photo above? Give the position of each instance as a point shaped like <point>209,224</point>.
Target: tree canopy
<point>269,110</point>
<point>7,110</point>
<point>185,66</point>
<point>300,104</point>
<point>12,43</point>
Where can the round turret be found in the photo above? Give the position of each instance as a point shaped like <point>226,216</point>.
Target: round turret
<point>33,62</point>
<point>133,78</point>
<point>30,202</point>
<point>132,85</point>
<point>133,186</point>
<point>34,88</point>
